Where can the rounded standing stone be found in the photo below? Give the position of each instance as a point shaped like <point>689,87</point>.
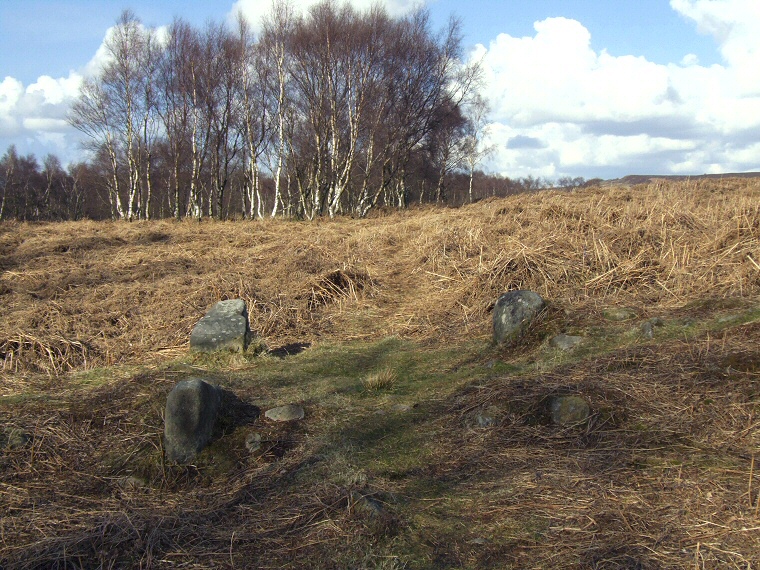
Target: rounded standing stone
<point>192,408</point>
<point>513,313</point>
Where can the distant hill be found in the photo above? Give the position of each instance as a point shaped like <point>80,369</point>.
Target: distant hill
<point>634,179</point>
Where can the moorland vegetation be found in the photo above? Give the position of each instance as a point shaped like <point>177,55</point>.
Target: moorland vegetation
<point>423,445</point>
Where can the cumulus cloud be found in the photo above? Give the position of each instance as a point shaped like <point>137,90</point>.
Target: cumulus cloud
<point>34,117</point>
<point>585,112</point>
<point>559,107</point>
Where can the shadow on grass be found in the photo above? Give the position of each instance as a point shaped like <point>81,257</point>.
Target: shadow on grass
<point>425,486</point>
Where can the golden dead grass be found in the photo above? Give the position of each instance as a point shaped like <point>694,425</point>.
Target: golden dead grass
<point>665,475</point>
<point>86,294</point>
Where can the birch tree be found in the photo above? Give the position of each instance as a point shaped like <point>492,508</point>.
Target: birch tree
<point>476,132</point>
<point>174,109</point>
<point>252,71</point>
<point>276,29</point>
<point>93,114</point>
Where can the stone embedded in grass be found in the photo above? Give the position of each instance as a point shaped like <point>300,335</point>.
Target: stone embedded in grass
<point>484,421</point>
<point>14,438</point>
<point>133,482</point>
<point>287,413</point>
<point>253,441</point>
<point>619,314</point>
<point>366,505</point>
<point>565,342</point>
<point>192,409</point>
<point>512,314</point>
<point>647,327</point>
<point>569,410</point>
<point>224,327</point>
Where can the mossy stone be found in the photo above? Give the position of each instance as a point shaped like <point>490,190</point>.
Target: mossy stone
<point>569,410</point>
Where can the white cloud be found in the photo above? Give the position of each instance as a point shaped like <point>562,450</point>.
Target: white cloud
<point>255,10</point>
<point>584,112</point>
<point>735,25</point>
<point>11,90</point>
<point>34,117</point>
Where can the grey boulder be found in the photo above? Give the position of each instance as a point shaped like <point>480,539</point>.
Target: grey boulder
<point>512,314</point>
<point>192,409</point>
<point>224,327</point>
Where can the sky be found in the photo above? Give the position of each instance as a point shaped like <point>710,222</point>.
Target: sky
<point>591,88</point>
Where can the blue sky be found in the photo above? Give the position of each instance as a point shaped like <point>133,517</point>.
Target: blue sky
<point>577,87</point>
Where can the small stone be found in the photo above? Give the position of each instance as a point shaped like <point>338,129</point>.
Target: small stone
<point>569,410</point>
<point>367,505</point>
<point>565,342</point>
<point>485,421</point>
<point>287,413</point>
<point>729,319</point>
<point>647,330</point>
<point>15,438</point>
<point>132,482</point>
<point>401,408</point>
<point>647,327</point>
<point>253,441</point>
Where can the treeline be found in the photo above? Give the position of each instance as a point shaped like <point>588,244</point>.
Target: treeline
<point>34,191</point>
<point>335,112</point>
<point>30,191</point>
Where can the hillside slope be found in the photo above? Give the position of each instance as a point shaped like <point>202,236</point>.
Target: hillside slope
<point>110,293</point>
<point>423,445</point>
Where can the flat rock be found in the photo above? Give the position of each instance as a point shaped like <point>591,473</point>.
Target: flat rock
<point>619,314</point>
<point>512,314</point>
<point>287,413</point>
<point>565,342</point>
<point>224,327</point>
<point>192,409</point>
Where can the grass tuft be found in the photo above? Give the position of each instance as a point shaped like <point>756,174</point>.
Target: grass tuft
<point>382,380</point>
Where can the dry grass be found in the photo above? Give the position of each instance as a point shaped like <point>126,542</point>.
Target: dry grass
<point>92,294</point>
<point>666,474</point>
